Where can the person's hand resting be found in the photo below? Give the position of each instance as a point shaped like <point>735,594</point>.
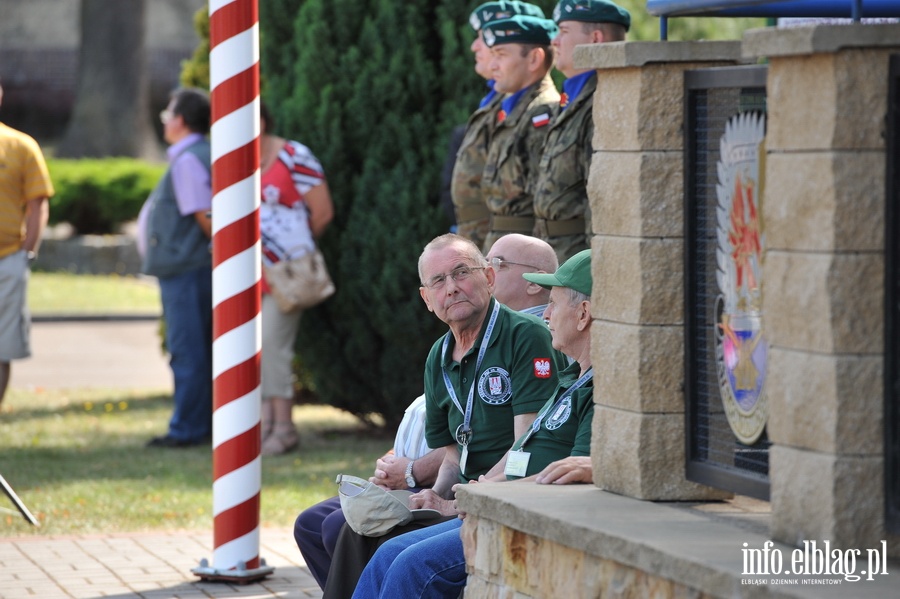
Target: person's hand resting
<point>430,500</point>
<point>573,469</point>
<point>390,472</point>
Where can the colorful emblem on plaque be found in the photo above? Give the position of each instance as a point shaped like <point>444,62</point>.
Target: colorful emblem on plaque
<point>741,347</point>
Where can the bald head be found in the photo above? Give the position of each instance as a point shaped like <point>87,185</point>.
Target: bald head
<point>520,254</point>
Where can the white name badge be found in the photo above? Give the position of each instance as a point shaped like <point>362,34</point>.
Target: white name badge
<point>517,463</point>
<point>463,458</point>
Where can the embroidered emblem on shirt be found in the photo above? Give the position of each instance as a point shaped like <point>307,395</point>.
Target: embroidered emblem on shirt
<point>542,368</point>
<point>560,416</point>
<point>540,120</point>
<point>563,99</point>
<point>501,116</point>
<point>494,386</point>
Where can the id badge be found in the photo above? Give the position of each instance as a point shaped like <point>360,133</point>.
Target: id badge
<point>462,459</point>
<point>517,463</point>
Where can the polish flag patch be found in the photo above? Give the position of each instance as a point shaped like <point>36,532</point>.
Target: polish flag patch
<point>540,120</point>
<point>542,368</point>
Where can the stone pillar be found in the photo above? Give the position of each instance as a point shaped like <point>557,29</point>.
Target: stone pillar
<point>823,216</point>
<point>636,192</point>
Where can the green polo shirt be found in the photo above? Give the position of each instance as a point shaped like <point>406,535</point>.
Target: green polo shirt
<point>566,430</point>
<point>514,379</point>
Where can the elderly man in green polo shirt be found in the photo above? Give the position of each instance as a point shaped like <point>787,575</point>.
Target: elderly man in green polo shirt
<point>555,450</point>
<point>485,381</point>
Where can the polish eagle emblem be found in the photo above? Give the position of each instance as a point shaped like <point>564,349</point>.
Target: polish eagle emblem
<point>741,347</point>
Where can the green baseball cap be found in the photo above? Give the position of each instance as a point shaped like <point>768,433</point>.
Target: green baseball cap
<point>591,11</point>
<point>504,9</point>
<point>574,273</point>
<point>521,29</point>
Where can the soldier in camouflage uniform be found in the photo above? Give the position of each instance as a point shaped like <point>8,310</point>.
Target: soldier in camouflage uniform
<point>561,208</point>
<point>471,213</point>
<point>520,64</point>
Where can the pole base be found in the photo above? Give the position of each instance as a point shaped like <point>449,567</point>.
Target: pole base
<point>239,574</point>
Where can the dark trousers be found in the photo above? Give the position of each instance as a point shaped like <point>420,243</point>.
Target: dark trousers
<point>316,533</point>
<point>353,552</point>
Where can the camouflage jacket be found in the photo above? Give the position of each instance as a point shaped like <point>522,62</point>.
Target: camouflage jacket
<point>510,174</point>
<point>465,184</point>
<point>561,192</point>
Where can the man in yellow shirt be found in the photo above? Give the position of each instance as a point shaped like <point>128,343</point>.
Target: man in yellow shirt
<point>25,188</point>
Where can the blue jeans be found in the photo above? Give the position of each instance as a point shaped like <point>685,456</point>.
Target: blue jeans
<point>187,307</point>
<point>423,564</point>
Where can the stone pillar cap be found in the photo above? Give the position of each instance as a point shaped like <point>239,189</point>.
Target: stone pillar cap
<point>617,55</point>
<point>817,39</point>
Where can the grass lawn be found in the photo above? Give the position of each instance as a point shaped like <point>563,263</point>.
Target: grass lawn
<point>66,293</point>
<point>77,460</point>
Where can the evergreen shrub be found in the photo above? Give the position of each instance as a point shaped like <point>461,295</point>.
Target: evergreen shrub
<point>98,195</point>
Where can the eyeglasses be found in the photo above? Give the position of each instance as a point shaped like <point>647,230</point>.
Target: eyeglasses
<point>500,263</point>
<point>457,274</point>
<point>165,116</point>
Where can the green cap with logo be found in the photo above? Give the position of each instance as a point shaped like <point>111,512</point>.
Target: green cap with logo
<point>591,11</point>
<point>521,29</point>
<point>574,273</point>
<point>503,9</point>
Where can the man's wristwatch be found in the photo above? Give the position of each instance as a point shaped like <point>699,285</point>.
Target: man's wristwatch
<point>410,479</point>
<point>31,255</point>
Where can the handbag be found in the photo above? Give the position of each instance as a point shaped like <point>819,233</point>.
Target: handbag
<point>300,283</point>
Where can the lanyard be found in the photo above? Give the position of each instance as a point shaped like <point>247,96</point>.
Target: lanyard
<point>464,432</point>
<point>547,409</point>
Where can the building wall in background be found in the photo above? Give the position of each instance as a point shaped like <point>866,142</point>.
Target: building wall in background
<point>39,42</point>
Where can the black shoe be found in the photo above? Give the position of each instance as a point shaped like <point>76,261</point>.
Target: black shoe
<point>169,441</point>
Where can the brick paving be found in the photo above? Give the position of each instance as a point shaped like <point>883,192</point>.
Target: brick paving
<point>153,565</point>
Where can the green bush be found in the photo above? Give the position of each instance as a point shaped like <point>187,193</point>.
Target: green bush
<point>98,195</point>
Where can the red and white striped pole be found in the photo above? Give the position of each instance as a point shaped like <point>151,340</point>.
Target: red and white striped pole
<point>234,94</point>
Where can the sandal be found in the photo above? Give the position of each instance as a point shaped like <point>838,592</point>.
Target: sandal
<point>282,440</point>
<point>265,429</point>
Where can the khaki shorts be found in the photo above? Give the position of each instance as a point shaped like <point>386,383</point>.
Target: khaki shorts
<point>279,332</point>
<point>15,320</point>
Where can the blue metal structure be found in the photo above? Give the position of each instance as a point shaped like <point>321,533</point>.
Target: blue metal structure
<point>852,9</point>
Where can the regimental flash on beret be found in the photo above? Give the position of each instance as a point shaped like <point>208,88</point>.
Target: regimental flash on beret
<point>489,38</point>
<point>474,22</point>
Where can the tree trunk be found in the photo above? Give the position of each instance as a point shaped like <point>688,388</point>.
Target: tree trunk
<point>111,114</point>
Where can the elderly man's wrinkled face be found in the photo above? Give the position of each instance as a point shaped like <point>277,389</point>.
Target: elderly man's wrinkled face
<point>454,287</point>
<point>562,317</point>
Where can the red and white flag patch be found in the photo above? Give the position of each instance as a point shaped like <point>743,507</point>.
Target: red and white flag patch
<point>540,120</point>
<point>542,368</point>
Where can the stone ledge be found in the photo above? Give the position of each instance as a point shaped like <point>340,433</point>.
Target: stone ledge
<point>617,55</point>
<point>687,546</point>
<point>817,39</point>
